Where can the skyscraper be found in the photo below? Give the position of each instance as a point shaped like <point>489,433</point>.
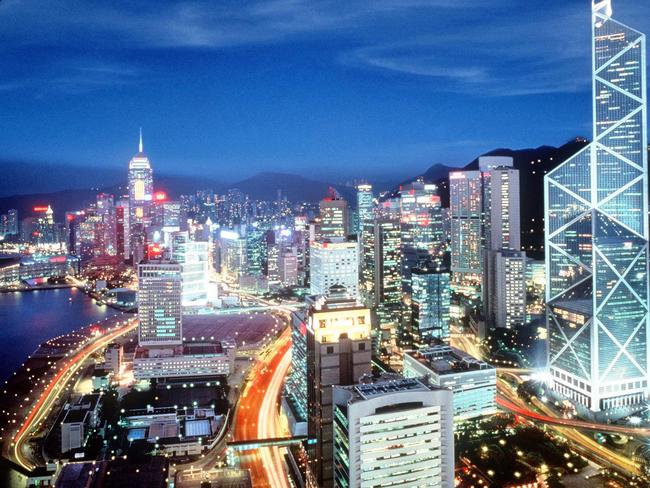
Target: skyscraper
<point>159,303</point>
<point>193,258</point>
<point>596,208</point>
<point>140,201</point>
<point>393,433</point>
<point>388,279</point>
<point>334,216</point>
<point>430,304</point>
<point>365,207</point>
<point>466,208</point>
<point>338,353</point>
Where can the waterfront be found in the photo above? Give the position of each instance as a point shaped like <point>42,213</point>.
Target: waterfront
<point>29,318</point>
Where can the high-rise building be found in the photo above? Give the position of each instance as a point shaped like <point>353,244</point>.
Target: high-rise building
<point>421,227</point>
<point>140,201</point>
<point>365,208</point>
<point>502,244</point>
<point>232,255</point>
<point>159,303</point>
<point>338,353</point>
<point>596,227</point>
<point>508,269</point>
<point>334,217</point>
<point>430,304</point>
<point>193,258</point>
<point>388,280</point>
<point>393,433</point>
<point>466,211</point>
<point>334,262</point>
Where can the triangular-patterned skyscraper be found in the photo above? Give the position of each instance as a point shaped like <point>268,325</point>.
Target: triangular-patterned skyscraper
<point>596,207</point>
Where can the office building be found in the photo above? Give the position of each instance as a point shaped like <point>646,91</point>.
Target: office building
<point>596,228</point>
<point>473,382</point>
<point>508,269</point>
<point>233,255</point>
<point>430,304</point>
<point>388,280</point>
<point>365,208</point>
<point>333,217</point>
<point>294,400</point>
<point>159,303</point>
<point>466,212</point>
<point>393,433</point>
<point>338,353</point>
<point>334,262</point>
<point>140,201</point>
<point>421,228</point>
<point>193,258</point>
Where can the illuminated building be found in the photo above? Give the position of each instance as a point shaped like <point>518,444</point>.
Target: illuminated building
<point>509,288</point>
<point>393,433</point>
<point>504,283</point>
<point>388,280</point>
<point>334,217</point>
<point>256,250</point>
<point>36,269</point>
<point>159,303</point>
<point>473,382</point>
<point>232,261</point>
<point>430,303</point>
<point>193,258</point>
<point>140,201</point>
<point>334,262</point>
<point>365,208</point>
<point>338,353</point>
<point>421,227</point>
<point>294,400</point>
<point>9,223</point>
<point>288,264</point>
<point>466,207</point>
<point>596,228</point>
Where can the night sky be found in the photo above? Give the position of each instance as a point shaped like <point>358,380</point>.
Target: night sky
<point>331,89</point>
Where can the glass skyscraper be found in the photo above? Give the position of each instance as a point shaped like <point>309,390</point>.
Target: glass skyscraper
<point>597,235</point>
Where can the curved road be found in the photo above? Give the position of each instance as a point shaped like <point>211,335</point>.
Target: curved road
<point>43,405</point>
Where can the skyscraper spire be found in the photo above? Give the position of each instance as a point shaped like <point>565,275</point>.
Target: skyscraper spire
<point>140,147</point>
<point>603,7</point>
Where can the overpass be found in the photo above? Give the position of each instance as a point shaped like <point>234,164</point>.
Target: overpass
<point>271,442</point>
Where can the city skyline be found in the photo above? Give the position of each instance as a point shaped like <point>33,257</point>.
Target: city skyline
<point>222,119</point>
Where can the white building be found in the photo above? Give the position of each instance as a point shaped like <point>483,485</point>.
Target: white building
<point>334,262</point>
<point>80,418</point>
<point>159,303</point>
<point>393,433</point>
<point>193,258</point>
<point>509,291</point>
<point>473,382</point>
<point>193,359</point>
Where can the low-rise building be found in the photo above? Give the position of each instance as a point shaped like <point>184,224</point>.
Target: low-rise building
<point>79,420</point>
<point>472,381</point>
<point>193,359</point>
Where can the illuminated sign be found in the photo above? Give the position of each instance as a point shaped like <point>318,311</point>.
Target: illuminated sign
<point>40,208</point>
<point>160,196</point>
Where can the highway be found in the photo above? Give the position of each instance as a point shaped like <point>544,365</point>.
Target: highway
<point>257,414</point>
<point>55,389</point>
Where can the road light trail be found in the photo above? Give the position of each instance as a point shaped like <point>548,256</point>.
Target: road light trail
<point>48,397</point>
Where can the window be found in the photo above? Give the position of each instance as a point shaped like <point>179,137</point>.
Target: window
<point>362,346</point>
<point>330,349</point>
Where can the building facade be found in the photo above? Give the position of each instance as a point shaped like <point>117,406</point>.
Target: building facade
<point>393,433</point>
<point>334,262</point>
<point>596,227</point>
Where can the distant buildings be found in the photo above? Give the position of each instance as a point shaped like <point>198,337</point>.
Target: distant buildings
<point>473,382</point>
<point>334,262</point>
<point>36,269</point>
<point>393,433</point>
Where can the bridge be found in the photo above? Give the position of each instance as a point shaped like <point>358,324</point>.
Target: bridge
<point>257,443</point>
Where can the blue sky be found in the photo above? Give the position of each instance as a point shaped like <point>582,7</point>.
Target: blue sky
<point>332,89</point>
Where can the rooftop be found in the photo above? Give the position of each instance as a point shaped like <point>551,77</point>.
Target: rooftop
<point>371,390</point>
<point>447,360</point>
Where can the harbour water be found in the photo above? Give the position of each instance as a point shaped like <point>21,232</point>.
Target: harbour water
<point>28,319</point>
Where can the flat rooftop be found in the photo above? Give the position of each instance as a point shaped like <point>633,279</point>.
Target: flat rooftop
<point>370,390</point>
<point>448,360</point>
